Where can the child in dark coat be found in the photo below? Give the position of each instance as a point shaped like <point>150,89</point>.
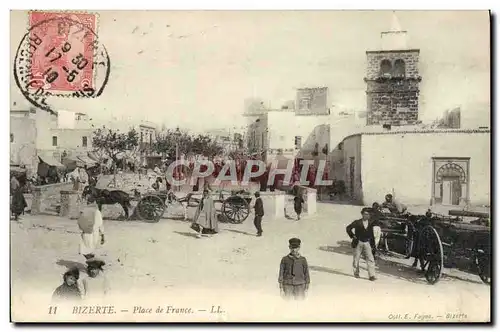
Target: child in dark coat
<point>294,273</point>
<point>69,290</point>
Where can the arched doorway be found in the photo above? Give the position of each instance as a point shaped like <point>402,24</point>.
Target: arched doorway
<point>450,182</point>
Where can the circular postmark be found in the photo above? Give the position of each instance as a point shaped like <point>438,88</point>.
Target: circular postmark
<point>60,56</point>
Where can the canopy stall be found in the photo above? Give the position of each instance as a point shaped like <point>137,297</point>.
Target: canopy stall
<point>49,167</point>
<point>71,163</point>
<point>87,161</point>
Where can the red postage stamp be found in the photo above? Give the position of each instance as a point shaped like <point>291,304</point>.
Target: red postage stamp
<point>63,58</point>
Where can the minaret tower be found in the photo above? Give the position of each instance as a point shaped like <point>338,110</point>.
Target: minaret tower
<point>392,79</point>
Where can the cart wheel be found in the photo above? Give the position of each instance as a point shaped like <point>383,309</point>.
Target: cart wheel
<point>482,261</point>
<point>151,208</point>
<point>236,209</point>
<point>431,254</point>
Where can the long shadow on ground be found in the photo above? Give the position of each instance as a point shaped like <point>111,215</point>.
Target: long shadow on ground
<point>187,234</point>
<point>387,266</point>
<point>328,270</point>
<point>240,232</point>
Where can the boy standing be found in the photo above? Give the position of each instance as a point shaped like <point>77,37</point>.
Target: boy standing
<point>259,213</point>
<point>294,273</point>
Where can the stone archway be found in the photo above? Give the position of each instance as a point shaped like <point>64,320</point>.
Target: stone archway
<point>450,182</point>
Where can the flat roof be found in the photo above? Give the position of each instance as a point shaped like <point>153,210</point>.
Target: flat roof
<point>395,51</point>
<point>422,131</point>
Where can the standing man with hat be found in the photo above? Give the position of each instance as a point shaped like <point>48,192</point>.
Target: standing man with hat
<point>294,273</point>
<point>362,242</point>
<point>259,213</point>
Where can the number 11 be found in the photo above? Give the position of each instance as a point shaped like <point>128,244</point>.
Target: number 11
<point>52,310</point>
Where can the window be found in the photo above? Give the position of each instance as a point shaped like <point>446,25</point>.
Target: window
<point>84,141</point>
<point>150,138</point>
<point>142,137</point>
<point>54,140</point>
<point>11,138</point>
<point>399,68</point>
<point>305,104</point>
<point>385,67</point>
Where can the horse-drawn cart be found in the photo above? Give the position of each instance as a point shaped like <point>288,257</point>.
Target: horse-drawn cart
<point>236,207</point>
<point>151,206</point>
<point>433,239</point>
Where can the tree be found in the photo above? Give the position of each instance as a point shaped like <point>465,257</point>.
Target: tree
<point>112,142</point>
<point>167,142</point>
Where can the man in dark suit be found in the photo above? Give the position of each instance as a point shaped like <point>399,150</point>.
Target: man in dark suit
<point>259,213</point>
<point>362,242</point>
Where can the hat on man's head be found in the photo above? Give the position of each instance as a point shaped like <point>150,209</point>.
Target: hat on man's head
<point>95,263</point>
<point>366,210</point>
<point>294,242</point>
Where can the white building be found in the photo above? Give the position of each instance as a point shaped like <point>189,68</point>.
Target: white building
<point>448,167</point>
<point>36,133</point>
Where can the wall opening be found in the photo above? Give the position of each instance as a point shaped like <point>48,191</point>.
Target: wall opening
<point>450,181</point>
<point>399,68</point>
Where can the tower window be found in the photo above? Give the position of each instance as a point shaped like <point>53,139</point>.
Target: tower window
<point>54,140</point>
<point>399,68</point>
<point>385,67</point>
<point>84,141</point>
<point>11,138</point>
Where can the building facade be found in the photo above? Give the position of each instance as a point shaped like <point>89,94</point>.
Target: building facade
<point>147,136</point>
<point>23,134</point>
<point>436,167</point>
<point>35,133</point>
<point>393,81</point>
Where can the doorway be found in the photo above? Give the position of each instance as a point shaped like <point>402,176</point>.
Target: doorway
<point>450,181</point>
<point>452,190</point>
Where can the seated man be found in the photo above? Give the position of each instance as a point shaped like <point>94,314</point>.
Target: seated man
<point>393,205</point>
<point>377,223</point>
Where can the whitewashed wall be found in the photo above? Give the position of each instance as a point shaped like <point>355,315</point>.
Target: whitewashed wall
<point>352,148</point>
<point>403,163</point>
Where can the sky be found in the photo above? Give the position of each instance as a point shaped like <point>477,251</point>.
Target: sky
<point>195,69</point>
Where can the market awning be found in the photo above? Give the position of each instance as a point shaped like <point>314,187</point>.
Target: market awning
<point>93,156</point>
<point>87,161</point>
<point>17,169</point>
<point>50,161</point>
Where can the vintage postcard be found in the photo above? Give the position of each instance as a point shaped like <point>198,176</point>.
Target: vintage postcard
<point>250,166</point>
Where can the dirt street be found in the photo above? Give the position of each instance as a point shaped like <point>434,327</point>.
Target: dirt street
<point>165,264</point>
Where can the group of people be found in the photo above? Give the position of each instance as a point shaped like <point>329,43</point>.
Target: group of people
<point>74,288</point>
<point>95,285</point>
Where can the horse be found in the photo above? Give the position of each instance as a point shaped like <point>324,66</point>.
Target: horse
<point>107,197</point>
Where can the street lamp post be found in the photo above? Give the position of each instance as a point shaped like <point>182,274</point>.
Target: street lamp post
<point>177,135</point>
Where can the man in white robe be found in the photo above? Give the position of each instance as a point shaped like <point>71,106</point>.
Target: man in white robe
<point>91,225</point>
